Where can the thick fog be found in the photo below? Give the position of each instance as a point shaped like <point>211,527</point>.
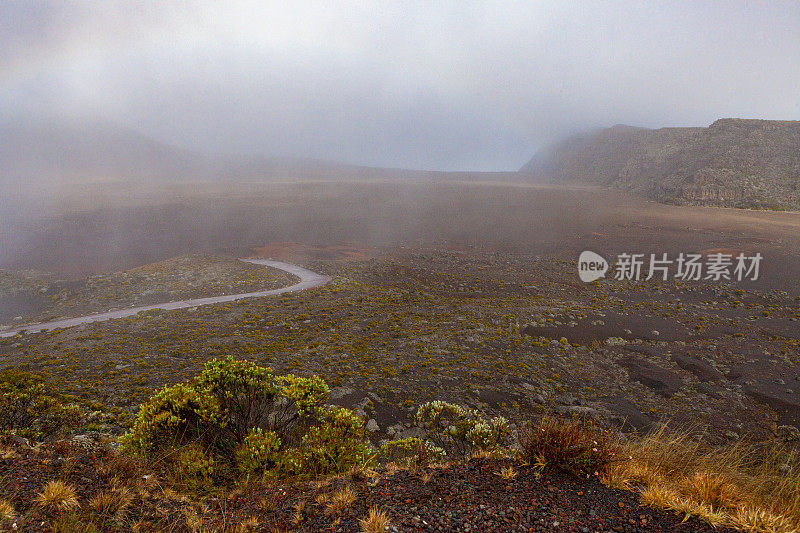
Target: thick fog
<point>427,85</point>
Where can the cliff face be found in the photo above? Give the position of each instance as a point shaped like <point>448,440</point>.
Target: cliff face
<point>733,163</point>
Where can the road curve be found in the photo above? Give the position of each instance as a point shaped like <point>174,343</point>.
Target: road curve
<point>308,280</point>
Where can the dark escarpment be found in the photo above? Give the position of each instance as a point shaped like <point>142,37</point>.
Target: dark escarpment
<point>732,163</point>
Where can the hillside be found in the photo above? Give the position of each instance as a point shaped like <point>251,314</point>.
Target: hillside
<point>37,153</point>
<point>731,163</point>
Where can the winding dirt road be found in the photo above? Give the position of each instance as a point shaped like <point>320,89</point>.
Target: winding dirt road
<point>308,280</point>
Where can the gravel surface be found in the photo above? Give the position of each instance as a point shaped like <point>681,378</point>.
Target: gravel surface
<point>473,497</point>
<point>465,497</point>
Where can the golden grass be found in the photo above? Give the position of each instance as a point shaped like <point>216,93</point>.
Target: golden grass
<point>248,524</point>
<point>538,464</point>
<point>297,512</point>
<point>323,498</point>
<point>760,521</point>
<point>8,453</point>
<point>340,500</point>
<point>713,488</point>
<point>359,472</point>
<point>374,479</point>
<point>616,478</point>
<point>112,503</point>
<point>57,496</point>
<point>507,473</point>
<point>376,521</point>
<point>665,498</point>
<point>754,488</point>
<point>392,468</point>
<point>7,512</point>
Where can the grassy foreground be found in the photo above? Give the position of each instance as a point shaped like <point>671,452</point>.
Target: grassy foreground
<point>197,448</point>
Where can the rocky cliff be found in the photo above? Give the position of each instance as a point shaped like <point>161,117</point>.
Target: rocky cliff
<point>733,163</point>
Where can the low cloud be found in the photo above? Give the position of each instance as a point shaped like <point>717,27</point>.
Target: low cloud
<point>446,85</point>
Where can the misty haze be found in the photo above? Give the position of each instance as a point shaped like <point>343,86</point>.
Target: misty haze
<point>316,267</point>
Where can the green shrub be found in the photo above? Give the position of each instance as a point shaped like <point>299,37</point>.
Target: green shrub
<point>306,393</point>
<point>244,395</point>
<point>334,445</point>
<point>193,468</point>
<point>32,408</point>
<point>221,407</point>
<point>174,415</point>
<point>258,453</point>
<point>411,452</point>
<point>249,419</point>
<point>459,430</point>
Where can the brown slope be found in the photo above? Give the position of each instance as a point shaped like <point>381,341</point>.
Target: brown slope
<point>732,163</point>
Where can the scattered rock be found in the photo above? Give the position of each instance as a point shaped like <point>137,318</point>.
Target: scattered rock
<point>701,369</point>
<point>663,381</point>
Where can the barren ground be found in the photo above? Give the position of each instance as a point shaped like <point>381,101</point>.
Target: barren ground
<point>464,292</point>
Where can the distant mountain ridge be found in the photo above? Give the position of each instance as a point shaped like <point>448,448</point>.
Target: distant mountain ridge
<point>733,163</point>
<point>41,152</point>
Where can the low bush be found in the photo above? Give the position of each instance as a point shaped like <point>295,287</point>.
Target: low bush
<point>572,445</point>
<point>243,418</point>
<point>258,453</point>
<point>193,468</point>
<point>460,431</point>
<point>31,408</point>
<point>411,452</point>
<point>335,444</point>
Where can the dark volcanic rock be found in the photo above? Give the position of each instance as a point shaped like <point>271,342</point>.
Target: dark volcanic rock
<point>701,369</point>
<point>661,380</point>
<point>472,498</point>
<point>629,416</point>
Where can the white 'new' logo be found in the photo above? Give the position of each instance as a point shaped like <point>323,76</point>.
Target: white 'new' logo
<point>591,266</point>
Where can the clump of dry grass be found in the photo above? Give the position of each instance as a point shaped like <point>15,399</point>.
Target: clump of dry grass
<point>715,489</point>
<point>538,462</point>
<point>760,521</point>
<point>392,468</point>
<point>376,521</point>
<point>297,512</point>
<point>8,453</point>
<point>112,504</point>
<point>662,497</point>
<point>323,498</point>
<point>340,500</point>
<point>359,473</point>
<point>7,512</point>
<point>247,525</point>
<point>507,473</point>
<point>751,487</point>
<point>57,496</point>
<point>373,478</point>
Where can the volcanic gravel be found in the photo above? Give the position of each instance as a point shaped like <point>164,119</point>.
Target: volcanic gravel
<point>472,497</point>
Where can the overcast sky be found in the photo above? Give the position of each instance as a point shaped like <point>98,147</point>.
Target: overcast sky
<point>423,84</point>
